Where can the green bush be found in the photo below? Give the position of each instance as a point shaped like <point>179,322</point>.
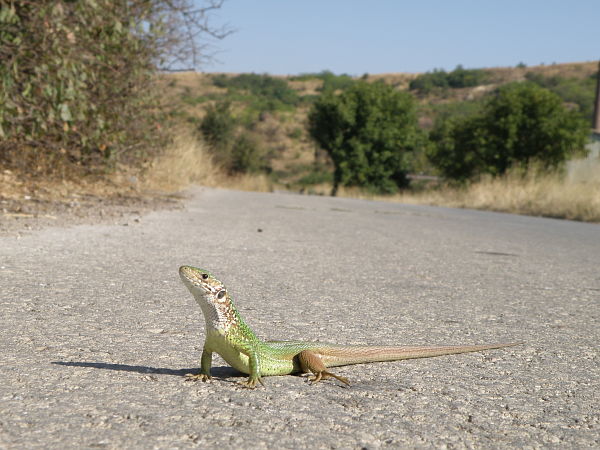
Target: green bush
<point>572,90</point>
<point>269,93</point>
<point>246,156</point>
<point>462,78</point>
<point>430,81</point>
<point>454,109</point>
<point>331,81</point>
<point>75,81</point>
<point>522,123</point>
<point>370,132</point>
<point>218,126</point>
<point>237,151</point>
<point>440,80</point>
<point>316,176</point>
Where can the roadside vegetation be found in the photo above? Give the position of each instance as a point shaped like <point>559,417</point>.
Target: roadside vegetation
<point>574,195</point>
<point>78,87</point>
<point>370,132</point>
<point>82,95</point>
<point>501,145</point>
<point>520,124</point>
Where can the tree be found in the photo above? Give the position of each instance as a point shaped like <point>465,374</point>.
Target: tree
<point>520,124</point>
<point>77,78</point>
<point>370,132</point>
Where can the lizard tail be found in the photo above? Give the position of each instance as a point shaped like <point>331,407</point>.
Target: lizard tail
<point>344,355</point>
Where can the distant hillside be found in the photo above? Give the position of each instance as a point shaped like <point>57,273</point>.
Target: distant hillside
<point>271,111</point>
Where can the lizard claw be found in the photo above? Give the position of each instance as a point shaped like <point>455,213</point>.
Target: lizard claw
<point>251,383</point>
<point>323,375</point>
<point>197,377</point>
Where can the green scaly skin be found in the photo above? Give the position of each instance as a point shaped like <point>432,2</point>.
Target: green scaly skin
<point>228,335</point>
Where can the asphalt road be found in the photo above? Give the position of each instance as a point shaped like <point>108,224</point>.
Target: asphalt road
<point>97,331</point>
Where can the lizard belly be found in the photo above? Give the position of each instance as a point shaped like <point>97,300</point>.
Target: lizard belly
<point>273,365</point>
<point>220,344</point>
<point>270,361</point>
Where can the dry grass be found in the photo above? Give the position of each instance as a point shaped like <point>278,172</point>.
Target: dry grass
<point>566,70</point>
<point>574,196</point>
<point>64,185</point>
<point>186,161</point>
<point>537,195</point>
<point>183,163</point>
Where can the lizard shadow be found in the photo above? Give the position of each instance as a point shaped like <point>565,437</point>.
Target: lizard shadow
<point>217,372</point>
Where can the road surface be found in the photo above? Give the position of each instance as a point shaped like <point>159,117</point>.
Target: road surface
<point>97,331</point>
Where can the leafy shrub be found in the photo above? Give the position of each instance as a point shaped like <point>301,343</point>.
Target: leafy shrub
<point>439,79</point>
<point>461,77</point>
<point>218,126</point>
<point>445,110</point>
<point>522,123</point>
<point>246,156</point>
<point>572,90</point>
<point>430,81</point>
<point>331,81</point>
<point>73,77</point>
<point>271,93</point>
<point>237,151</point>
<point>370,131</point>
<point>77,78</point>
<point>316,176</point>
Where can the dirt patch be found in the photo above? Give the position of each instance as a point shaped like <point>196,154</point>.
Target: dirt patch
<point>28,204</point>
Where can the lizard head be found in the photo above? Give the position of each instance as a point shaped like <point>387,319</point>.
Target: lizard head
<point>211,295</point>
<point>200,281</point>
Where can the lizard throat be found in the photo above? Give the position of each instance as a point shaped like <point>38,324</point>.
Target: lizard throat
<point>218,316</point>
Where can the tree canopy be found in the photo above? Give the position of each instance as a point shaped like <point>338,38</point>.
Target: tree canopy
<point>370,131</point>
<point>521,123</point>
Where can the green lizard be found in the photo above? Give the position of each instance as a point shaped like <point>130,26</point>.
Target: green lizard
<point>228,335</point>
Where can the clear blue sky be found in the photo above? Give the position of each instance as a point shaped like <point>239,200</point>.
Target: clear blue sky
<point>377,36</point>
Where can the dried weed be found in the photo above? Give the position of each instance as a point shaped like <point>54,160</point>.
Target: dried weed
<point>187,161</point>
<point>574,195</point>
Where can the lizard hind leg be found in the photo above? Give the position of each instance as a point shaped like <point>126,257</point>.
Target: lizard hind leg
<point>311,362</point>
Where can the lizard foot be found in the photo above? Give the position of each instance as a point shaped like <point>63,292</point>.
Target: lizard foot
<point>197,377</point>
<point>312,362</point>
<point>251,382</point>
<point>324,375</point>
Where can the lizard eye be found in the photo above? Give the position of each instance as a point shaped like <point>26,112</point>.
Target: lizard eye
<point>221,294</point>
<point>205,276</point>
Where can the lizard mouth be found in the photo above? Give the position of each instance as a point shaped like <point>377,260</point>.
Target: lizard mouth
<point>193,277</point>
<point>190,276</point>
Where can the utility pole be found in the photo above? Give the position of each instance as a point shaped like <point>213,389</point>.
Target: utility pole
<point>596,123</point>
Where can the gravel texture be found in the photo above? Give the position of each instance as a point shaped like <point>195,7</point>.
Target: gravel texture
<point>97,331</point>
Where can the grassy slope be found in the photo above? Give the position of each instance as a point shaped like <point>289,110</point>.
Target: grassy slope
<point>293,155</point>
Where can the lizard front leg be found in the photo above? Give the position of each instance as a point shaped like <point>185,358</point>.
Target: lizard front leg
<point>205,365</point>
<point>254,369</point>
<point>311,362</point>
